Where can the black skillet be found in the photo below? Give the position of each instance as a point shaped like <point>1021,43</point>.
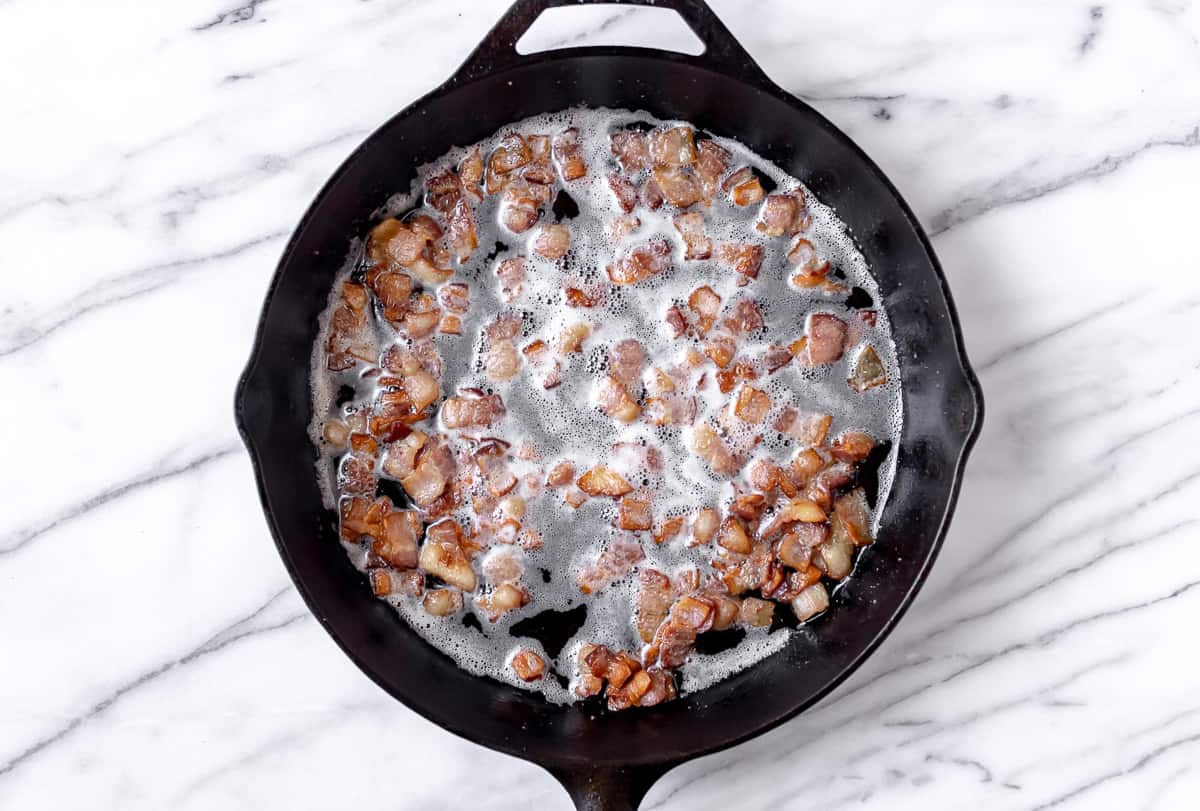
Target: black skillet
<point>611,760</point>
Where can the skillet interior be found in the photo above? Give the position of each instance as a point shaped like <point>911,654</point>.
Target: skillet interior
<point>941,406</point>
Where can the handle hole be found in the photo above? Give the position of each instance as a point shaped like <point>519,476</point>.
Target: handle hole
<point>609,24</point>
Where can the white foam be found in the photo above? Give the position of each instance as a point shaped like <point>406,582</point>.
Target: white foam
<point>564,422</point>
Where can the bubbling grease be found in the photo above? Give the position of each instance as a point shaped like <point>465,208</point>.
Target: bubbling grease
<point>565,423</point>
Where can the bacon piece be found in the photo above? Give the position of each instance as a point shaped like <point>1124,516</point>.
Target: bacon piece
<point>744,257</point>
<point>575,297</point>
<point>810,602</point>
<point>528,666</point>
<point>613,563</point>
<point>826,338</point>
<point>455,297</point>
<point>752,405</point>
<point>393,242</point>
<point>764,475</point>
<point>704,304</point>
<point>623,226</point>
<point>691,227</point>
<point>866,371</point>
<point>511,153</point>
<point>393,289</point>
<point>668,529</point>
<point>573,336</point>
<point>634,513</point>
<point>401,457</point>
<point>522,205</point>
<point>398,545</point>
<point>678,187</point>
<point>624,191</point>
<point>852,446</point>
<point>631,149</point>
<point>853,516</point>
<point>705,525</point>
<point>539,169</point>
<point>783,214</point>
<point>568,154</point>
<point>676,323</point>
<point>796,547</point>
<point>442,555</point>
<point>502,362</point>
<point>743,187</point>
<point>712,160</point>
<point>732,536</point>
<point>615,400</point>
<point>652,194</point>
<point>652,603</point>
<point>460,231</point>
<point>641,262</point>
<point>756,613</point>
<point>604,481</point>
<point>503,599</point>
<point>809,429</point>
<point>385,583</point>
<point>470,174</point>
<point>426,483</point>
<point>671,410</point>
<point>442,602</point>
<point>472,412</point>
<point>709,446</point>
<point>719,348</point>
<point>551,241</point>
<point>561,474</point>
<point>504,327</point>
<point>689,617</point>
<point>811,269</point>
<point>744,318</point>
<point>776,357</point>
<point>511,273</point>
<point>673,147</point>
<point>626,360</point>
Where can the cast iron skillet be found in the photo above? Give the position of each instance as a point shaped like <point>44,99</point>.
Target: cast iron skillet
<point>611,760</point>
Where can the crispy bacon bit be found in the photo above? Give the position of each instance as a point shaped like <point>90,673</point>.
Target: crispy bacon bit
<point>455,297</point>
<point>511,153</point>
<point>470,174</point>
<point>450,325</point>
<point>511,273</point>
<point>732,535</point>
<point>653,602</point>
<point>626,360</point>
<point>811,269</point>
<point>853,516</point>
<point>809,429</point>
<point>673,147</point>
<point>783,214</point>
<point>551,241</point>
<point>398,546</point>
<point>634,513</point>
<point>810,602</point>
<point>613,563</point>
<point>671,410</point>
<point>442,602</point>
<point>568,154</point>
<point>631,149</point>
<point>756,613</point>
<point>705,525</point>
<point>615,401</point>
<point>826,338</point>
<point>604,481</point>
<point>503,565</point>
<point>744,318</point>
<point>425,483</point>
<point>675,321</point>
<point>720,349</point>
<point>623,226</point>
<point>442,555</point>
<point>709,446</point>
<point>385,583</point>
<point>743,187</point>
<point>691,227</point>
<point>561,474</point>
<point>461,231</point>
<point>573,336</point>
<point>689,617</point>
<point>393,242</point>
<point>523,205</point>
<point>797,545</point>
<point>472,412</point>
<point>652,194</point>
<point>624,191</point>
<point>503,599</point>
<point>679,188</point>
<point>704,304</point>
<point>744,257</point>
<point>393,290</point>
<point>752,405</point>
<point>668,529</point>
<point>852,446</point>
<point>363,517</point>
<point>641,262</point>
<point>575,297</point>
<point>504,327</point>
<point>711,162</point>
<point>764,475</point>
<point>575,497</point>
<point>866,371</point>
<point>776,357</point>
<point>528,666</point>
<point>356,476</point>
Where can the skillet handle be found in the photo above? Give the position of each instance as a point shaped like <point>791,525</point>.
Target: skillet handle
<point>609,789</point>
<point>722,51</point>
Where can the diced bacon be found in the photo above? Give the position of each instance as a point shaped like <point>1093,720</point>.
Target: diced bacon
<point>631,149</point>
<point>425,227</point>
<point>720,348</point>
<point>393,289</point>
<point>826,338</point>
<point>573,336</point>
<point>356,475</point>
<point>671,410</point>
<point>393,242</point>
<point>704,527</point>
<point>668,529</point>
<point>673,147</point>
<point>764,475</point>
<point>704,304</point>
<point>675,637</point>
<point>539,169</point>
<point>797,544</point>
<point>854,516</point>
<point>455,297</point>
<point>641,262</point>
<point>568,154</point>
<point>502,362</point>
<point>561,474</point>
<point>470,174</point>
<point>743,187</point>
<point>575,297</point>
<point>511,273</point>
<point>653,602</point>
<point>691,227</point>
<point>442,602</point>
<point>422,389</point>
<point>604,481</point>
<point>425,484</point>
<point>809,429</point>
<point>752,405</point>
<point>398,546</point>
<point>522,205</point>
<point>634,513</point>
<point>442,555</point>
<point>744,318</point>
<point>679,188</point>
<point>776,357</point>
<point>709,446</point>
<point>866,371</point>
<point>712,160</point>
<point>528,665</point>
<point>811,269</point>
<point>504,327</point>
<point>624,191</point>
<point>426,353</point>
<point>615,401</point>
<point>744,257</point>
<point>461,230</point>
<point>511,153</point>
<point>810,602</point>
<point>472,412</point>
<point>401,457</point>
<point>623,226</point>
<point>732,536</point>
<point>626,360</point>
<point>852,446</point>
<point>615,562</point>
<point>652,194</point>
<point>503,599</point>
<point>443,191</point>
<point>676,322</point>
<point>756,613</point>
<point>551,241</point>
<point>783,214</point>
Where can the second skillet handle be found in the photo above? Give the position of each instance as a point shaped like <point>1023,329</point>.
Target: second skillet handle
<point>722,51</point>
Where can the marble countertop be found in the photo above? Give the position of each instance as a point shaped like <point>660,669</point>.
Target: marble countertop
<point>153,159</point>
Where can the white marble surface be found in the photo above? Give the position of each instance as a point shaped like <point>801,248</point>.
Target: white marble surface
<point>153,157</point>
